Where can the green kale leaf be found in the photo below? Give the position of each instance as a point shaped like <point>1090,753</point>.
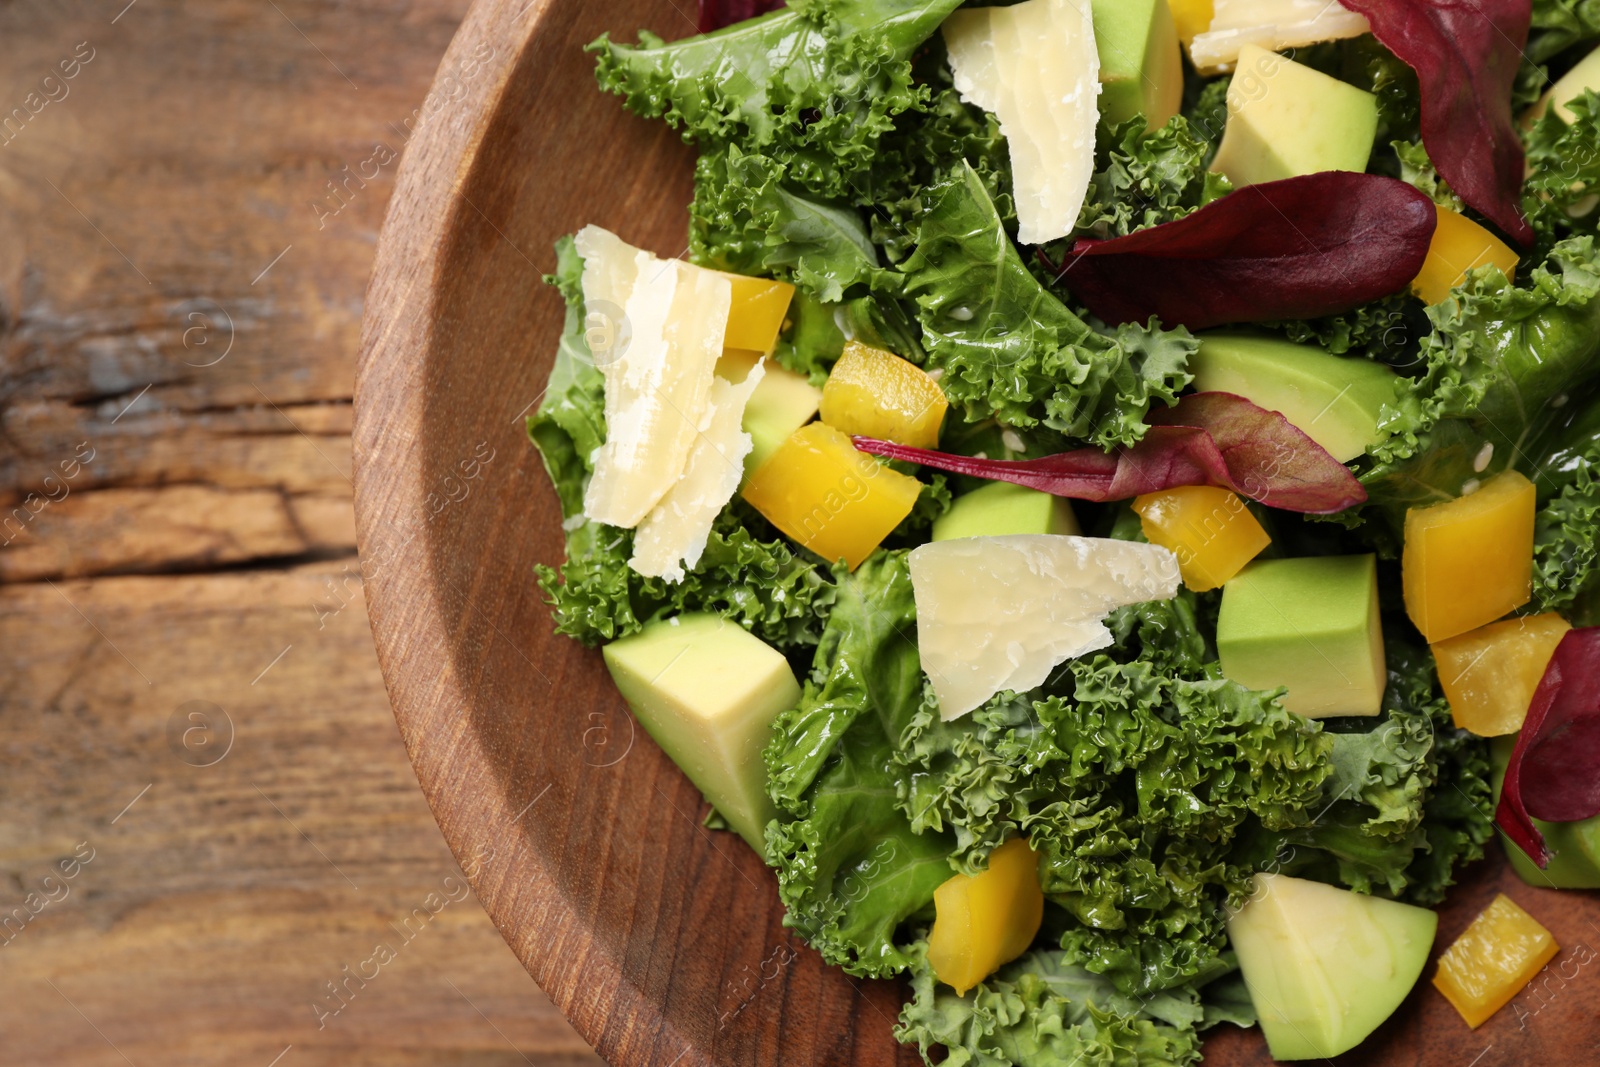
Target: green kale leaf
<point>1043,1010</point>
<point>1501,362</point>
<point>814,86</point>
<point>743,219</point>
<point>1566,540</point>
<point>850,867</point>
<point>1144,177</point>
<point>1010,350</point>
<point>1559,197</point>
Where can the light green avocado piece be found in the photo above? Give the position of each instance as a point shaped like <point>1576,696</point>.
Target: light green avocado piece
<point>1334,400</point>
<point>1286,119</point>
<point>1572,84</point>
<point>1325,966</point>
<point>1141,67</point>
<point>782,402</point>
<point>1311,625</point>
<point>707,691</point>
<point>1576,845</point>
<point>1001,508</point>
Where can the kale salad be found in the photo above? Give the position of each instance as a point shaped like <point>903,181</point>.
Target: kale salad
<point>1105,504</point>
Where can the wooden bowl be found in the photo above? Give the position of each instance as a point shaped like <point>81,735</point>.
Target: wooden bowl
<point>661,941</point>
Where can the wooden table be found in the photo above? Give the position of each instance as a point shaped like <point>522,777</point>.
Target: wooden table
<point>212,848</point>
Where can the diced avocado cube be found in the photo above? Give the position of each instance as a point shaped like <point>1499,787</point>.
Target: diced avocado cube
<point>1575,845</point>
<point>1141,67</point>
<point>1001,508</point>
<point>783,402</point>
<point>1286,119</point>
<point>708,691</point>
<point>1325,966</point>
<point>1334,400</point>
<point>1584,76</point>
<point>1311,625</point>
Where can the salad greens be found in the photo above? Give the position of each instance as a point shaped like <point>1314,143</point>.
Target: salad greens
<point>837,155</point>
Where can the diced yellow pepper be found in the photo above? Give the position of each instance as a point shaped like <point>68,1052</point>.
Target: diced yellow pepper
<point>985,920</point>
<point>1459,245</point>
<point>1492,960</point>
<point>1210,530</point>
<point>1468,561</point>
<point>1489,674</point>
<point>834,500</point>
<point>1193,17</point>
<point>877,394</point>
<point>755,318</point>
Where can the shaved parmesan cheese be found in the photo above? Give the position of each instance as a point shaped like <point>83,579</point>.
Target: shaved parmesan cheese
<point>1275,25</point>
<point>656,329</point>
<point>674,533</point>
<point>1034,65</point>
<point>998,613</point>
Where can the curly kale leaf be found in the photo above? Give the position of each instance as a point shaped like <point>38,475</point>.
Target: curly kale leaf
<point>571,421</point>
<point>763,585</point>
<point>814,86</point>
<point>1131,774</point>
<point>1009,349</point>
<point>1566,539</point>
<point>744,219</point>
<point>1144,177</point>
<point>850,867</point>
<point>1043,1010</point>
<point>1559,197</point>
<point>1500,363</point>
<point>1408,802</point>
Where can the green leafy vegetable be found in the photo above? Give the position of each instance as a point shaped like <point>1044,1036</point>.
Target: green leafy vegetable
<point>744,220</point>
<point>1044,1011</point>
<point>814,86</point>
<point>850,867</point>
<point>1144,177</point>
<point>1499,364</point>
<point>1566,540</point>
<point>1009,349</point>
<point>1408,802</point>
<point>1564,173</point>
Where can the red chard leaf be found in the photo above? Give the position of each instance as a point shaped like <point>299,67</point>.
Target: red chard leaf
<point>1466,54</point>
<point>1554,772</point>
<point>1299,248</point>
<point>715,14</point>
<point>1206,439</point>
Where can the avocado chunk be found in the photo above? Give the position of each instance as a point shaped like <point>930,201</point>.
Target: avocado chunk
<point>1285,120</point>
<point>707,691</point>
<point>1141,67</point>
<point>1325,966</point>
<point>1311,625</point>
<point>1334,400</point>
<point>783,402</point>
<point>1001,508</point>
<point>1576,845</point>
<point>1572,84</point>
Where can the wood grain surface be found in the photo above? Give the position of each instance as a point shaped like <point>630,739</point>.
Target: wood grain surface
<point>661,941</point>
<point>188,690</point>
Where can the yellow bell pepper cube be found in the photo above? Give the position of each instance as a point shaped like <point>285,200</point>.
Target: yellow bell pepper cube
<point>1489,674</point>
<point>1459,245</point>
<point>1492,960</point>
<point>1193,17</point>
<point>983,921</point>
<point>755,317</point>
<point>877,394</point>
<point>1469,561</point>
<point>834,500</point>
<point>1210,530</point>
